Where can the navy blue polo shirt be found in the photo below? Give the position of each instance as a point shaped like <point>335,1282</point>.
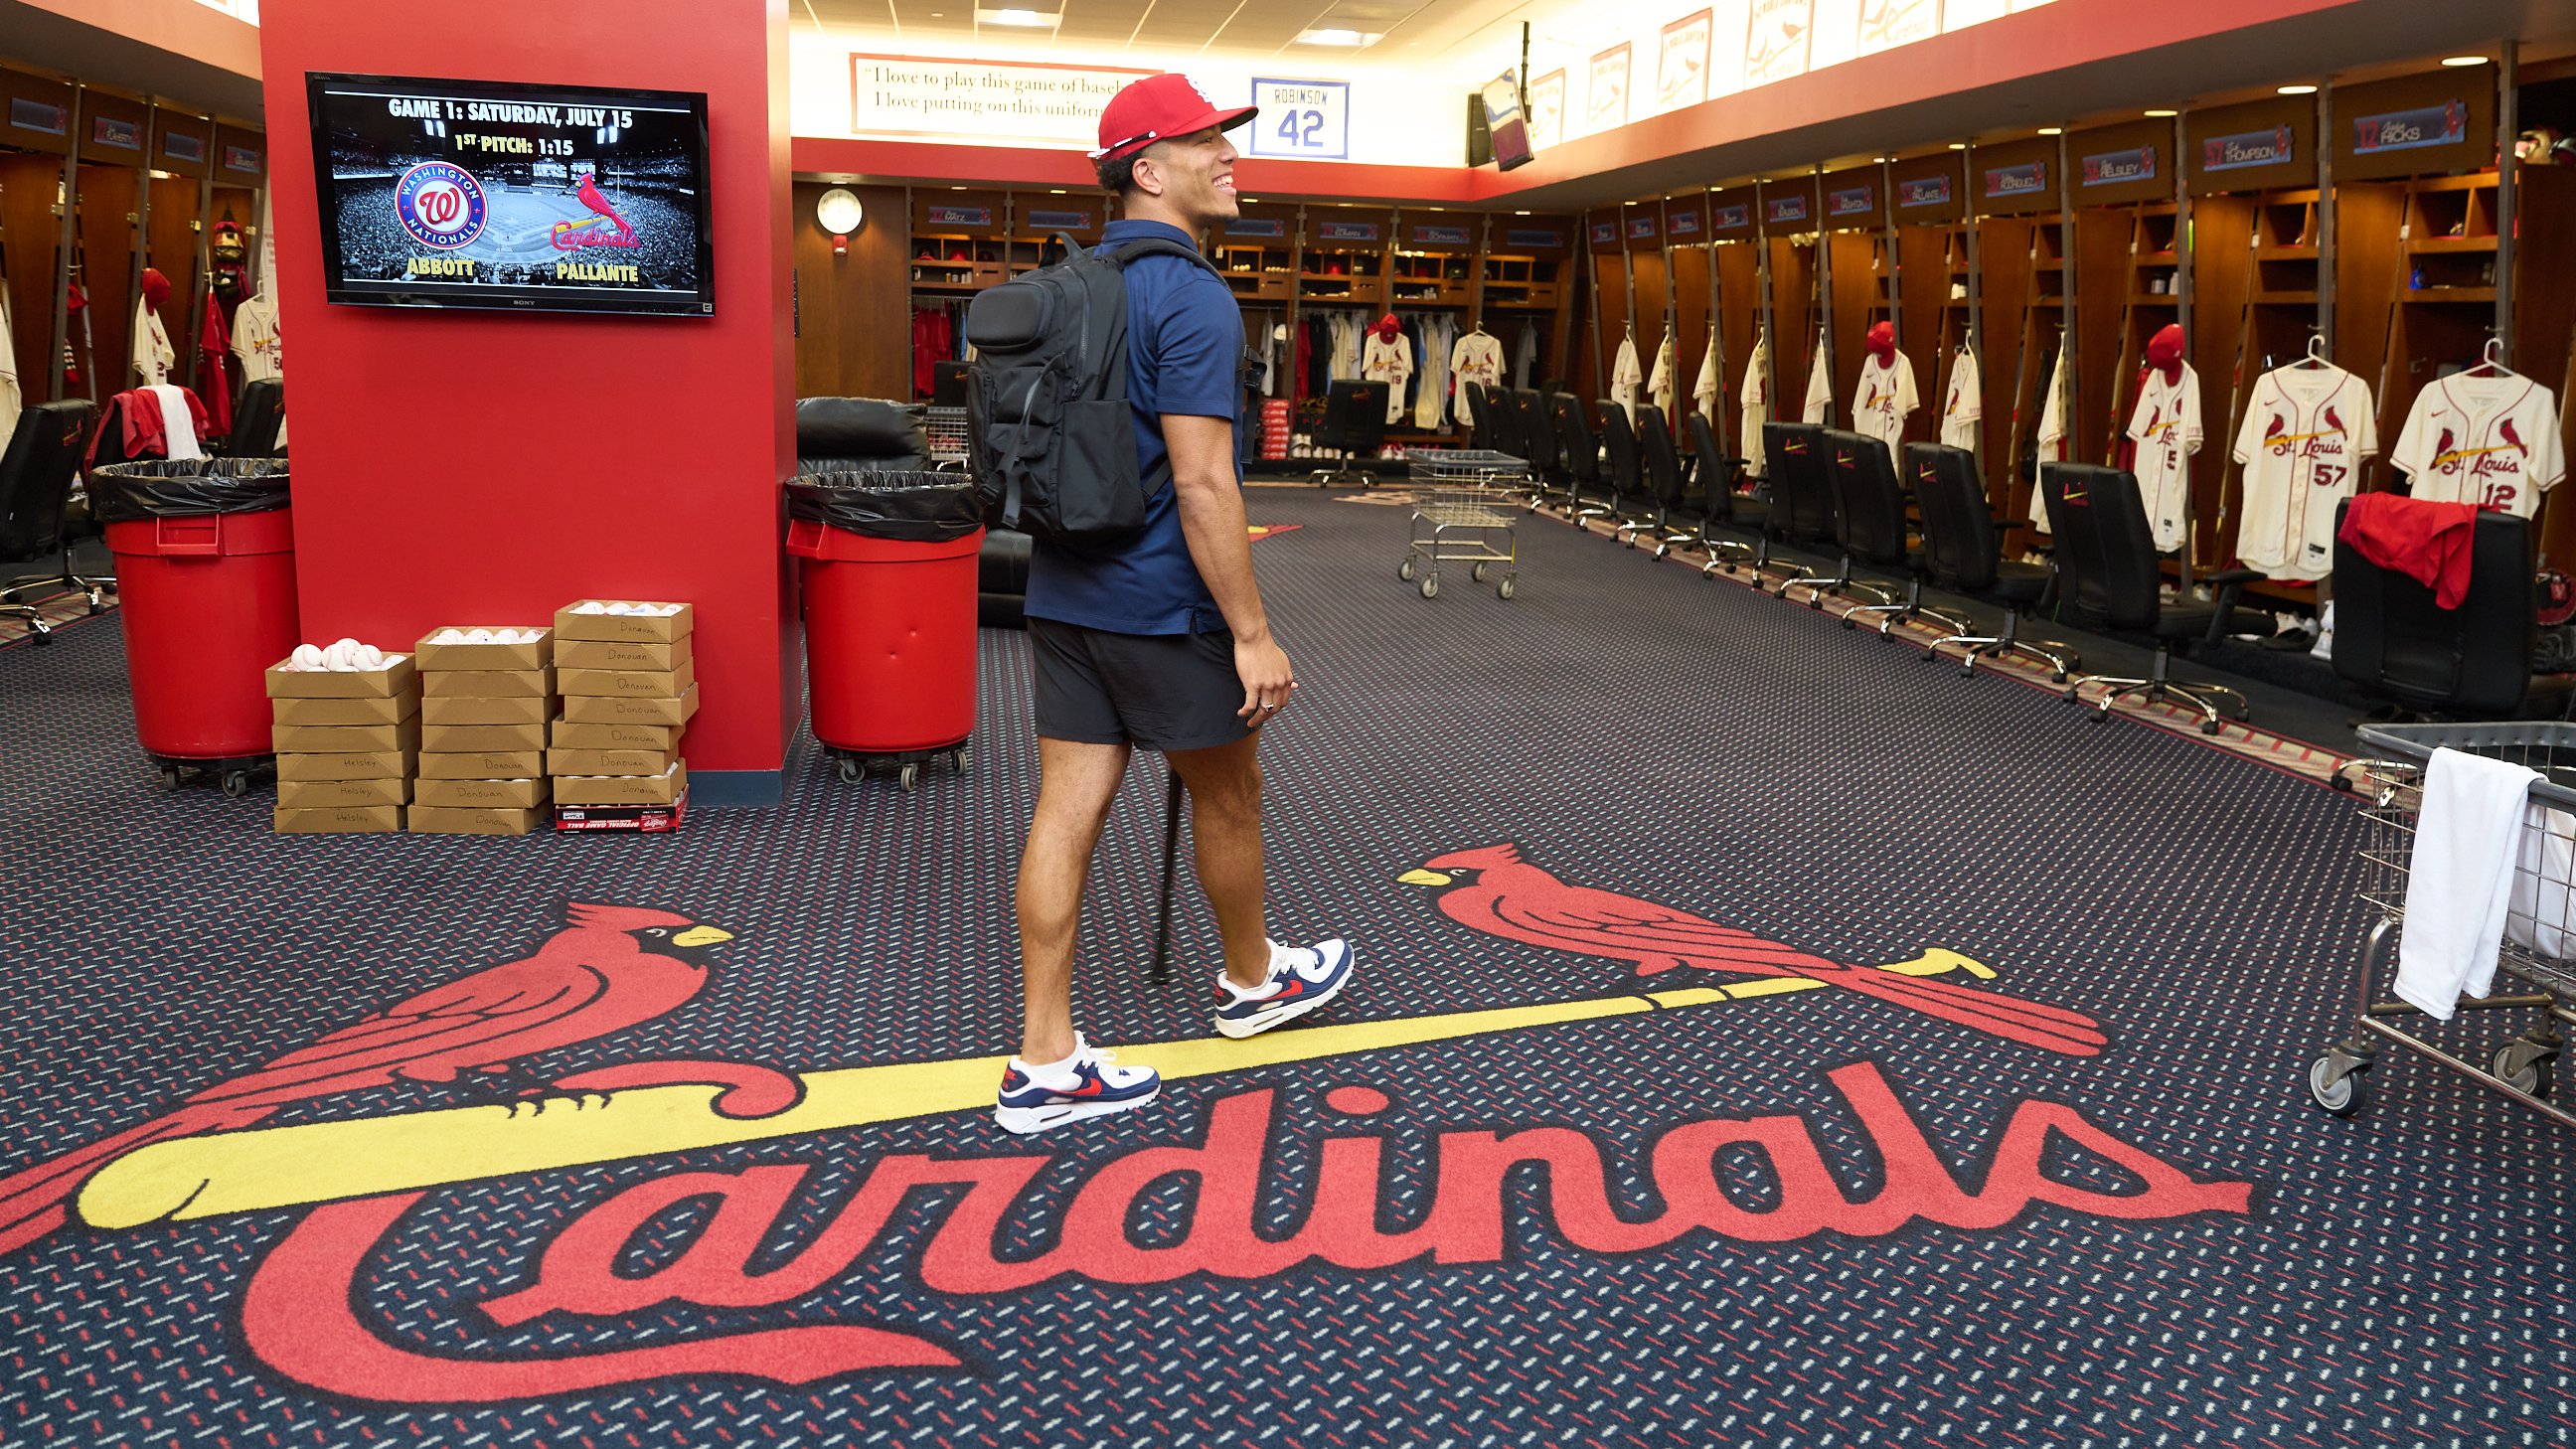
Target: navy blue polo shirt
<point>1184,355</point>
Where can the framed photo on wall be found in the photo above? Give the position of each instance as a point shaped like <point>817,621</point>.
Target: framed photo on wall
<point>1775,44</point>
<point>1546,102</point>
<point>1606,103</point>
<point>1681,62</point>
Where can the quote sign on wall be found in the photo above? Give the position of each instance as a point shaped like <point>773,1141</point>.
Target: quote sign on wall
<point>991,100</point>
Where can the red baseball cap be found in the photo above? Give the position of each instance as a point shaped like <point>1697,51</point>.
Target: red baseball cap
<point>1158,108</point>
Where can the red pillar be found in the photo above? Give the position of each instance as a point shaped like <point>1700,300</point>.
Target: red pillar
<point>472,466</point>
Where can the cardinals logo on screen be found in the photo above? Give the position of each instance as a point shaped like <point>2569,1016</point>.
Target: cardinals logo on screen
<point>605,227</point>
<point>816,1302</point>
<point>440,205</point>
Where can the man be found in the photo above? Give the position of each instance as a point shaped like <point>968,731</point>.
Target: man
<point>1160,641</point>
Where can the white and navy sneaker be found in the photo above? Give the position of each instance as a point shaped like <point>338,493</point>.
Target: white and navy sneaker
<point>1301,979</point>
<point>1090,1084</point>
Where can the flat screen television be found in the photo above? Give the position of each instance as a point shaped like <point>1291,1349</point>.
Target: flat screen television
<point>1506,123</point>
<point>444,193</point>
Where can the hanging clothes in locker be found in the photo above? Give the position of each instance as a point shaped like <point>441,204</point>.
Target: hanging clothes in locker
<point>1963,404</point>
<point>1756,402</point>
<point>1659,381</point>
<point>1704,389</point>
<point>2307,428</point>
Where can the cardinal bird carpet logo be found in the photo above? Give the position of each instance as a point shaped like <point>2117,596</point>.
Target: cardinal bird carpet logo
<point>791,1302</point>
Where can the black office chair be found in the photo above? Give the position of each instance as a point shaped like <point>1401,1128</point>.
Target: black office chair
<point>1802,505</point>
<point>1680,514</point>
<point>1537,426</point>
<point>2394,642</point>
<point>948,384</point>
<point>2109,575</point>
<point>1631,509</point>
<point>1869,503</point>
<point>257,419</point>
<point>1354,427</point>
<point>1964,549</point>
<point>42,461</point>
<point>1480,417</point>
<point>1580,447</point>
<point>1721,506</point>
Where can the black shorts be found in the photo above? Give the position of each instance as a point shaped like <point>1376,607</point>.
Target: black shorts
<point>1160,691</point>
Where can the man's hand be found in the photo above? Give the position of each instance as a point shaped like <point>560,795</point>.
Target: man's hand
<point>1267,678</point>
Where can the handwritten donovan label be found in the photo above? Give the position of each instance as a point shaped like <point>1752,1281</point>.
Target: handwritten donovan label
<point>2019,180</point>
<point>2443,125</point>
<point>2109,168</point>
<point>2241,149</point>
<point>1923,191</point>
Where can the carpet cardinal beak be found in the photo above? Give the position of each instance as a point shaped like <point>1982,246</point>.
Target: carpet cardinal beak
<point>701,936</point>
<point>1423,877</point>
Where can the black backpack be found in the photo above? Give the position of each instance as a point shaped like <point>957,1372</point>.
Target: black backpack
<point>1049,433</point>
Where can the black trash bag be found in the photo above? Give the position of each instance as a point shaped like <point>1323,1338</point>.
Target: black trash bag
<point>160,488</point>
<point>910,505</point>
<point>837,433</point>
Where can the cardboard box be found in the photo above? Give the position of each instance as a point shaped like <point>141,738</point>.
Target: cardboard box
<point>388,709</point>
<point>441,820</point>
<point>570,734</point>
<point>483,765</point>
<point>616,709</point>
<point>629,683</point>
<point>354,765</point>
<point>399,676</point>
<point>487,684</point>
<point>631,628</point>
<point>453,739</point>
<point>607,762</point>
<point>526,709</point>
<point>323,794</point>
<point>340,820</point>
<point>642,819</point>
<point>344,739</point>
<point>659,789</point>
<point>482,794</point>
<point>623,654</point>
<point>435,657</point>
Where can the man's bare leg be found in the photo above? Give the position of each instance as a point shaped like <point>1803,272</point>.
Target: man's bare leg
<point>1225,816</point>
<point>1076,783</point>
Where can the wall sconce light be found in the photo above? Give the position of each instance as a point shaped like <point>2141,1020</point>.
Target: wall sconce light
<point>839,212</point>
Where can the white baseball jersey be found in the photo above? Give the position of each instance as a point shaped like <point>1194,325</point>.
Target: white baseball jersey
<point>1963,404</point>
<point>1704,390</point>
<point>1624,377</point>
<point>10,404</point>
<point>1819,404</point>
<point>1390,363</point>
<point>256,340</point>
<point>2492,441</point>
<point>2165,426</point>
<point>1756,396</point>
<point>2052,433</point>
<point>2306,431</point>
<point>1478,357</point>
<point>153,356</point>
<point>1885,400</point>
<point>1659,378</point>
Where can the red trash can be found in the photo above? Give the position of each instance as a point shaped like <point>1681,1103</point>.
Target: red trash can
<point>889,621</point>
<point>205,567</point>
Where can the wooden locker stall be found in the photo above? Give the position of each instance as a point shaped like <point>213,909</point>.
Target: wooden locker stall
<point>1736,247</point>
<point>1796,316</point>
<point>2021,248</point>
<point>1528,280</point>
<point>1431,267</point>
<point>36,124</point>
<point>2121,179</point>
<point>1928,203</point>
<point>107,257</point>
<point>2252,173</point>
<point>1690,262</point>
<point>850,308</point>
<point>1649,284</point>
<point>174,238</point>
<point>1605,250</point>
<point>2544,334</point>
<point>1864,274</point>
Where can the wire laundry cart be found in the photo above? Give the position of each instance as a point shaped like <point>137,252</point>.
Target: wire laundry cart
<point>2539,946</point>
<point>947,427</point>
<point>1465,504</point>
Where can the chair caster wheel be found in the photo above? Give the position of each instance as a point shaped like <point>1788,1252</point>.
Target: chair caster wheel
<point>2057,676</point>
<point>2209,726</point>
<point>850,771</point>
<point>235,782</point>
<point>2100,715</point>
<point>1847,622</point>
<point>909,777</point>
<point>170,777</point>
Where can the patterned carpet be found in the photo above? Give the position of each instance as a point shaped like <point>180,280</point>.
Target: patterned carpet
<point>1787,1217</point>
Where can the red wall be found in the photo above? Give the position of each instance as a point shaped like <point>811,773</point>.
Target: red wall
<point>462,467</point>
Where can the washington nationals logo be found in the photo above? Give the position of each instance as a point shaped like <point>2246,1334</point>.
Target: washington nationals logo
<point>441,205</point>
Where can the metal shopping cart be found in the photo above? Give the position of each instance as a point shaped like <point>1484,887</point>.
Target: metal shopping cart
<point>947,435</point>
<point>2539,946</point>
<point>1465,504</point>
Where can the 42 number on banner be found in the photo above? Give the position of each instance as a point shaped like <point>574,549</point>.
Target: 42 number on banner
<point>1302,120</point>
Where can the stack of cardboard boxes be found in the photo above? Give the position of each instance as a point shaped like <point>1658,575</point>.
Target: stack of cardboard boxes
<point>488,691</point>
<point>629,688</point>
<point>345,742</point>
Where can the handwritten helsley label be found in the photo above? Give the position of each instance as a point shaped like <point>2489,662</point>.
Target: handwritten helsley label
<point>2240,149</point>
<point>2443,125</point>
<point>982,100</point>
<point>2110,168</point>
<point>1923,191</point>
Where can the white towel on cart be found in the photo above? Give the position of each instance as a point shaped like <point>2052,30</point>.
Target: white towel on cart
<point>2543,916</point>
<point>2460,879</point>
